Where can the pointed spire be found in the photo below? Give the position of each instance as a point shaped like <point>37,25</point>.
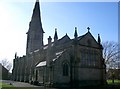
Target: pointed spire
<point>99,40</point>
<point>36,16</point>
<point>75,34</point>
<point>55,36</point>
<point>36,10</point>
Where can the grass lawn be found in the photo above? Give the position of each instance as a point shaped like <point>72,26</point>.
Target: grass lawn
<point>115,82</point>
<point>8,86</point>
<point>5,85</point>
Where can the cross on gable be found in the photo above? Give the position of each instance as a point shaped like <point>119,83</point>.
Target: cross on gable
<point>75,28</point>
<point>88,29</point>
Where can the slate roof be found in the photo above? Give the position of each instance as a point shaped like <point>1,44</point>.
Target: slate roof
<point>62,44</point>
<point>57,55</point>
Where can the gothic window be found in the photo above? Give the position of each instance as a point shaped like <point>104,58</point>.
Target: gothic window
<point>97,60</point>
<point>89,61</point>
<point>94,58</point>
<point>83,59</point>
<point>65,69</point>
<point>91,58</point>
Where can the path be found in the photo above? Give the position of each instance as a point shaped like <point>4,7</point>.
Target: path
<point>18,84</point>
<point>22,84</point>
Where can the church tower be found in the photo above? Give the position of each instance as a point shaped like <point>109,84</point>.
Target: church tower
<point>35,32</point>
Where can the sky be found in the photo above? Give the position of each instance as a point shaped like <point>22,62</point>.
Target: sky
<point>101,17</point>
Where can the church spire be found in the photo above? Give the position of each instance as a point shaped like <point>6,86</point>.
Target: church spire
<point>35,32</point>
<point>36,16</point>
<point>36,10</point>
<point>55,36</point>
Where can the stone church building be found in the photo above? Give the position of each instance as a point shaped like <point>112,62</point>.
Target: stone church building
<point>62,62</point>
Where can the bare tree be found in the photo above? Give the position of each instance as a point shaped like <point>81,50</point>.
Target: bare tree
<point>110,54</point>
<point>6,64</point>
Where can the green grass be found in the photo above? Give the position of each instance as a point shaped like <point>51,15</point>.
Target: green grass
<point>109,86</point>
<point>8,86</point>
<point>20,88</point>
<point>115,82</point>
<point>5,85</point>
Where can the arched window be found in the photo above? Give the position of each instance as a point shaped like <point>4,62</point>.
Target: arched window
<point>65,69</point>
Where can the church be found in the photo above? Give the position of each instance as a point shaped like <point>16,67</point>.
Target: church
<point>63,62</point>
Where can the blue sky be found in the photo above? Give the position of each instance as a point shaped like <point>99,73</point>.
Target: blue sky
<point>101,17</point>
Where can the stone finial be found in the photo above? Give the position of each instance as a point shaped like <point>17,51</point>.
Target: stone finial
<point>75,34</point>
<point>49,40</point>
<point>55,36</point>
<point>99,40</point>
<point>15,55</point>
